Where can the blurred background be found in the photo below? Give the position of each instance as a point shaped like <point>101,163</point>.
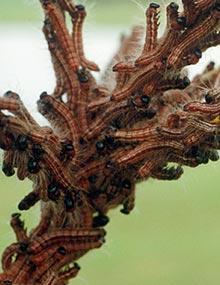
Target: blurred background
<point>173,235</point>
